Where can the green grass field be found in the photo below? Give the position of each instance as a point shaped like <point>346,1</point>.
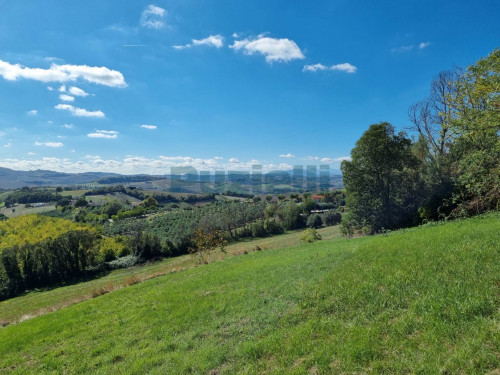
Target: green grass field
<point>423,300</point>
<point>41,302</point>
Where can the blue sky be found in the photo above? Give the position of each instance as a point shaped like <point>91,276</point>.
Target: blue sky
<point>140,86</point>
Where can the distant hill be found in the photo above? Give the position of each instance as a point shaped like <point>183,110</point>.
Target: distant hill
<point>11,179</point>
<point>274,182</point>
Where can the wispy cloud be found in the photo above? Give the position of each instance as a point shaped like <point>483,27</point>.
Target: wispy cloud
<point>344,67</point>
<point>69,126</point>
<point>108,134</point>
<point>7,145</point>
<point>289,156</point>
<point>153,17</point>
<point>63,73</point>
<point>75,111</point>
<point>149,127</point>
<point>274,50</point>
<point>210,41</point>
<point>49,144</point>
<point>410,47</point>
<point>33,112</point>
<point>66,98</point>
<point>76,91</point>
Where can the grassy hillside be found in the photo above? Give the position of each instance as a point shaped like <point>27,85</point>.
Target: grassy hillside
<point>43,301</point>
<point>32,229</point>
<point>424,300</point>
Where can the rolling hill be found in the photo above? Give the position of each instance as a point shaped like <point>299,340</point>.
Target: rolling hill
<point>422,300</point>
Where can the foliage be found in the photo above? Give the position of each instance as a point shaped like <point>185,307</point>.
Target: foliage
<point>206,241</point>
<point>332,217</point>
<point>476,128</point>
<point>31,195</point>
<point>148,246</point>
<point>310,235</point>
<point>382,181</point>
<point>81,202</point>
<point>149,203</point>
<point>46,262</point>
<point>110,248</point>
<point>31,229</point>
<point>314,221</point>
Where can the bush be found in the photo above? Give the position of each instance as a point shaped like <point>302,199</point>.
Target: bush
<point>310,235</point>
<point>125,262</point>
<point>272,227</point>
<point>258,229</point>
<point>332,218</point>
<point>110,248</point>
<point>314,221</point>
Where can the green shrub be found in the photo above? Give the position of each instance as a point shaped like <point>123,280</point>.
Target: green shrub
<point>314,221</point>
<point>310,235</point>
<point>332,218</point>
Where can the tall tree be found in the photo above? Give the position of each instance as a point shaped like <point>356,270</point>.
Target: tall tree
<point>476,127</point>
<point>381,180</point>
<point>431,117</point>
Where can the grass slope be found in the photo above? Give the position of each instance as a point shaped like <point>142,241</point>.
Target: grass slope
<point>42,301</point>
<point>424,300</point>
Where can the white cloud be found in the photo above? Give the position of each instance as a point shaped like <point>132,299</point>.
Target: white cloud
<point>7,145</point>
<point>313,158</point>
<point>63,73</point>
<point>76,91</point>
<point>33,112</point>
<point>211,41</point>
<point>342,158</point>
<point>273,49</point>
<point>314,68</point>
<point>108,134</point>
<point>149,127</point>
<point>75,111</point>
<point>131,164</point>
<point>2,133</point>
<point>62,88</point>
<point>31,153</point>
<point>66,98</point>
<point>327,160</point>
<point>424,45</point>
<point>218,157</point>
<point>344,67</point>
<point>234,161</point>
<point>153,17</point>
<point>68,126</point>
<point>50,88</point>
<point>49,144</point>
<point>289,156</point>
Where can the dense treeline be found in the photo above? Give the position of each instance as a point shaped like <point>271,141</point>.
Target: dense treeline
<point>46,262</point>
<point>142,195</point>
<point>451,170</point>
<point>68,257</point>
<point>30,195</point>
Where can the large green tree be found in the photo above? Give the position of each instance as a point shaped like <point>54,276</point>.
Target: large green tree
<point>382,181</point>
<point>475,125</point>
